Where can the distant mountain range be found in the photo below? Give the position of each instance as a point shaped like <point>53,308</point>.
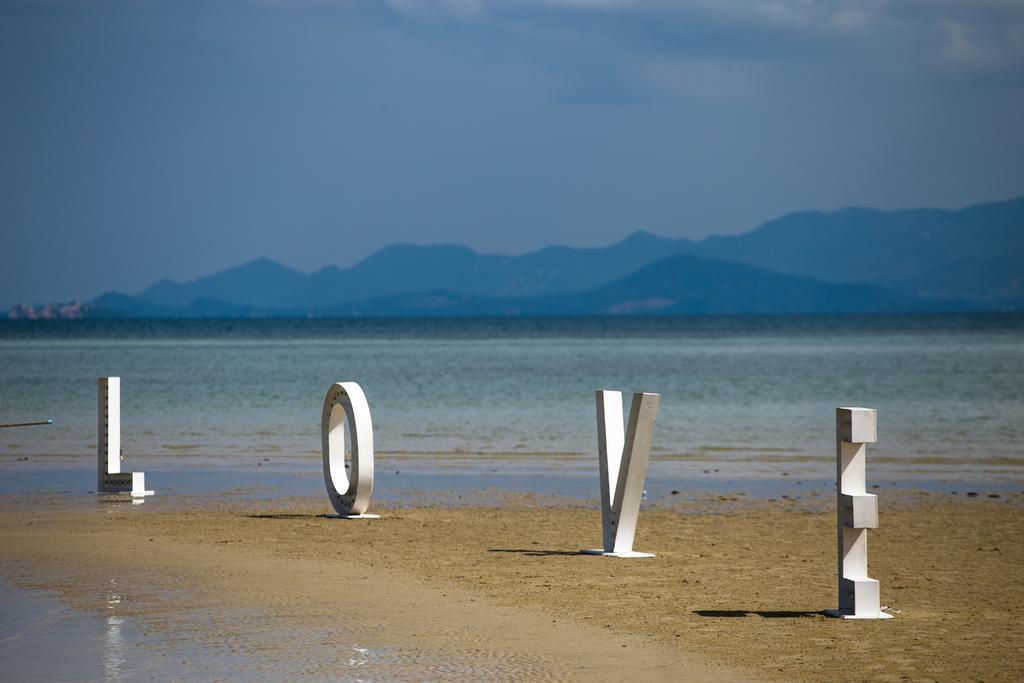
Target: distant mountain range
<point>676,285</point>
<point>847,261</point>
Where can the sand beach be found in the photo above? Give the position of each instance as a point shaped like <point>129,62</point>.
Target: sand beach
<point>499,592</point>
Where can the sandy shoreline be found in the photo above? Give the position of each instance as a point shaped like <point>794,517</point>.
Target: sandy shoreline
<point>733,593</point>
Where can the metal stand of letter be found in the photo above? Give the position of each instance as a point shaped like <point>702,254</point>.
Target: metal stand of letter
<point>345,404</point>
<point>622,461</point>
<point>109,477</point>
<point>856,512</point>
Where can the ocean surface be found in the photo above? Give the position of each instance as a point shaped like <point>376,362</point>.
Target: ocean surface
<point>944,386</point>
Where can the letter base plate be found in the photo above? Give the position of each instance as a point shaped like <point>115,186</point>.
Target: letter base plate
<point>846,614</point>
<point>600,551</point>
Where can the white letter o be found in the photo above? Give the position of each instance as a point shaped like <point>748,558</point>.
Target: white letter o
<point>345,404</point>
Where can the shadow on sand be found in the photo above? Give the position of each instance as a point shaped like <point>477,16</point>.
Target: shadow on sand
<point>767,614</point>
<point>535,552</point>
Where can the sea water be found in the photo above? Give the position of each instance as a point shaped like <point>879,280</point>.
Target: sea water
<point>944,386</point>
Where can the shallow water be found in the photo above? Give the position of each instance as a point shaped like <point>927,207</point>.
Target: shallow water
<point>943,385</point>
<point>42,638</point>
<point>400,482</point>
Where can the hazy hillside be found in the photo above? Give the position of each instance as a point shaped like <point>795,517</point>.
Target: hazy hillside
<point>996,282</point>
<point>974,254</point>
<point>914,260</point>
<point>405,268</point>
<point>676,285</point>
<point>923,252</point>
<point>259,283</point>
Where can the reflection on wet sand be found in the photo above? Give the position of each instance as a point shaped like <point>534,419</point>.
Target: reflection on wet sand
<point>113,638</point>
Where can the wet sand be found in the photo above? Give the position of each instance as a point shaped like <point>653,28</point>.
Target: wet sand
<point>735,593</point>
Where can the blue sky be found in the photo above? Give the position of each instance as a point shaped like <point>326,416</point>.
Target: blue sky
<point>141,139</point>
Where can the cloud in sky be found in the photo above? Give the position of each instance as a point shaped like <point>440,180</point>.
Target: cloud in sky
<point>144,139</point>
<point>927,34</point>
